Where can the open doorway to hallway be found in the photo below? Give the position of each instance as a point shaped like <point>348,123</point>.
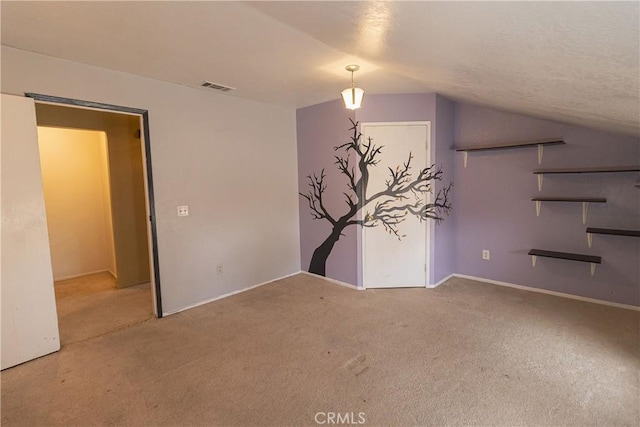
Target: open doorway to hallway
<point>95,199</point>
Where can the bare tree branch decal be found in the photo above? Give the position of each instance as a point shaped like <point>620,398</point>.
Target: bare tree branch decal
<point>403,195</point>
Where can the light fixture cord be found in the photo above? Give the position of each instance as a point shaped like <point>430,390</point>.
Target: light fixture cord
<point>353,90</point>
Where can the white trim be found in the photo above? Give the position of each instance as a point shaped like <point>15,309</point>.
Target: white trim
<point>429,225</point>
<point>147,212</point>
<point>75,276</point>
<point>359,252</point>
<point>544,291</point>
<point>239,291</point>
<point>440,282</point>
<point>413,123</point>
<point>334,281</point>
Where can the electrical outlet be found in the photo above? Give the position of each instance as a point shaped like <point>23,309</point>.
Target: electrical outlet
<point>219,269</point>
<point>486,254</point>
<point>183,210</point>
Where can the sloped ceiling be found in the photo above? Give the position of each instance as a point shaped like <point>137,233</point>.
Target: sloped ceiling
<point>576,62</point>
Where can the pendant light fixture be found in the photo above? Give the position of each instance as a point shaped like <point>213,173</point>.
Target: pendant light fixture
<point>352,96</point>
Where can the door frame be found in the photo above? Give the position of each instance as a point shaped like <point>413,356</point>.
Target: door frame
<point>430,158</point>
<point>152,235</point>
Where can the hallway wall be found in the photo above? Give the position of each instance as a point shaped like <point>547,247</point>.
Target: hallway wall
<point>75,182</point>
<point>126,183</point>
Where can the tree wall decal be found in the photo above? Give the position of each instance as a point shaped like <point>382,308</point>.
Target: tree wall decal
<point>403,195</point>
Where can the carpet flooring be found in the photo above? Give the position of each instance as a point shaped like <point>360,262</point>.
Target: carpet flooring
<point>92,305</point>
<point>300,349</point>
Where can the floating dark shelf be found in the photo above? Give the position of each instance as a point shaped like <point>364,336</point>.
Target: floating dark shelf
<point>614,232</point>
<point>604,169</point>
<point>570,199</point>
<point>566,255</point>
<point>502,146</point>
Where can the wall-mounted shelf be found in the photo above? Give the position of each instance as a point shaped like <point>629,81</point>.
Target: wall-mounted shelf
<point>540,143</point>
<point>591,259</point>
<point>611,231</point>
<point>603,169</point>
<point>584,200</point>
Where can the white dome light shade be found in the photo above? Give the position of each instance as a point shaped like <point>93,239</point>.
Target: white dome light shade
<point>352,97</point>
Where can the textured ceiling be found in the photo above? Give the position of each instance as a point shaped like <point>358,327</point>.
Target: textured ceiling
<point>576,62</point>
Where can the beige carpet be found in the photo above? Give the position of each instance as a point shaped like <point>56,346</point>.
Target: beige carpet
<point>92,305</point>
<point>465,353</point>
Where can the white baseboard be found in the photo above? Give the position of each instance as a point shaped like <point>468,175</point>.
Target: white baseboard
<point>350,286</point>
<point>462,276</point>
<point>545,291</point>
<point>239,291</point>
<point>337,282</point>
<point>440,282</point>
<point>75,276</point>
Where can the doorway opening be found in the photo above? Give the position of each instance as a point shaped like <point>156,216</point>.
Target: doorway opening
<point>99,204</point>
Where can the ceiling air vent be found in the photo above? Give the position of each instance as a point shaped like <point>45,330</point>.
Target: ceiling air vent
<point>216,86</point>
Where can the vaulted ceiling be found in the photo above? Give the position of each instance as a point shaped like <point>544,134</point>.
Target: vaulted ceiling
<point>576,62</point>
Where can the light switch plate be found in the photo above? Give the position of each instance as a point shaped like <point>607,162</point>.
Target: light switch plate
<point>183,210</point>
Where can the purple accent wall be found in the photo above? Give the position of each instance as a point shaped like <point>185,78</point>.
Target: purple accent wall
<point>398,108</point>
<point>492,207</point>
<point>320,128</point>
<point>323,126</point>
<point>494,210</point>
<point>444,243</point>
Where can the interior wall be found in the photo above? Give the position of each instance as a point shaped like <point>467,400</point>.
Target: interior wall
<point>233,162</point>
<point>444,245</point>
<point>126,183</point>
<point>323,126</point>
<point>494,208</point>
<point>75,182</point>
<point>320,128</point>
<point>128,206</point>
<point>108,217</point>
<point>439,111</point>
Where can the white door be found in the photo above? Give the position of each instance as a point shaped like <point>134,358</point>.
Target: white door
<point>29,320</point>
<point>390,262</point>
